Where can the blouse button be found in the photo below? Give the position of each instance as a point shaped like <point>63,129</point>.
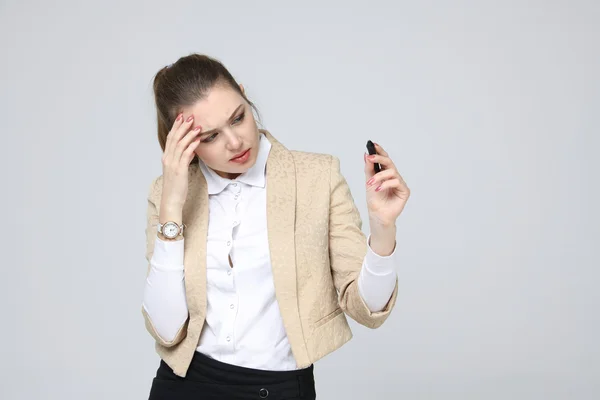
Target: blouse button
<point>228,243</point>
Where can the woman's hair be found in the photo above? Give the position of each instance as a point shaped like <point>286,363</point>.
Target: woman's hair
<point>183,84</point>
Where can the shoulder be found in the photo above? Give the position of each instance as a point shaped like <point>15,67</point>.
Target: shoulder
<point>307,155</point>
<point>313,162</point>
<point>304,161</point>
<point>316,166</point>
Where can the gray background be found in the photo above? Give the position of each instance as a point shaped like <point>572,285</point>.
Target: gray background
<point>490,110</point>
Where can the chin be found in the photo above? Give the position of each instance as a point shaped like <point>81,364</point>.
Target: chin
<point>239,170</point>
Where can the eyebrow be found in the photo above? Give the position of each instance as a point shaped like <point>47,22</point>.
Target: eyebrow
<point>229,120</point>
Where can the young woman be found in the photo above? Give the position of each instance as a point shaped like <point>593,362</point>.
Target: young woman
<point>255,252</point>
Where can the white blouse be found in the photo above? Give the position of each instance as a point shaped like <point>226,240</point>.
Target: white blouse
<point>243,324</point>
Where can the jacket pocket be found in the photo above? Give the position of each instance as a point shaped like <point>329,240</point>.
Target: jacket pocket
<point>328,317</point>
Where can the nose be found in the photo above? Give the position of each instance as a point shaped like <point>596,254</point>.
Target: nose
<point>233,141</point>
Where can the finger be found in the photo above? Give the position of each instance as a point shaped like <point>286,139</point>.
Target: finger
<point>181,131</point>
<point>369,168</point>
<point>382,176</point>
<point>170,143</point>
<point>380,150</point>
<point>185,142</point>
<point>188,154</point>
<point>389,184</point>
<point>384,161</point>
<point>178,133</point>
<point>176,124</point>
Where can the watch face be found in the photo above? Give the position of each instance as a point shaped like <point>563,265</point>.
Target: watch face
<point>170,230</point>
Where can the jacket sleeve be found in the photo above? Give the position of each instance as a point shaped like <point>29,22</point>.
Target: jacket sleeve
<point>347,250</point>
<point>151,229</point>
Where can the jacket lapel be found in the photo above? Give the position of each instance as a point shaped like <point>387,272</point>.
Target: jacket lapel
<point>281,223</point>
<point>195,217</point>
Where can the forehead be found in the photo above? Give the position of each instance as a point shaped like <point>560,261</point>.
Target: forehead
<point>215,109</point>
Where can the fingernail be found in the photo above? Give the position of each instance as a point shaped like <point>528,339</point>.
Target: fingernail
<point>179,117</point>
<point>378,188</point>
<point>191,117</point>
<point>371,157</point>
<point>197,128</point>
<point>370,182</point>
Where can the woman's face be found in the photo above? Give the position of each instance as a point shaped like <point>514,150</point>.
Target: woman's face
<point>228,129</point>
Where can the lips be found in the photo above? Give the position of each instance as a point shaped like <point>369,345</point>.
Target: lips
<point>239,155</point>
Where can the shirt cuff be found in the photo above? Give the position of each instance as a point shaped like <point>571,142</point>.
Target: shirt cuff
<point>379,265</point>
<point>168,255</point>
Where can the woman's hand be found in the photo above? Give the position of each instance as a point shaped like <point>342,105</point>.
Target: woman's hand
<point>387,192</point>
<point>176,159</point>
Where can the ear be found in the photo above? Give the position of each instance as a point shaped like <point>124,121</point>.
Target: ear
<point>242,88</point>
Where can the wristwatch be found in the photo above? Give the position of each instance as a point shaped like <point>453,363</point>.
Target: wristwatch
<point>170,229</point>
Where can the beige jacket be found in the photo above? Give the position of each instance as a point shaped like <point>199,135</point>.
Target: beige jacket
<point>316,245</point>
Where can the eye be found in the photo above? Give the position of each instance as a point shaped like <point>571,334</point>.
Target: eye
<point>239,119</point>
<point>210,138</point>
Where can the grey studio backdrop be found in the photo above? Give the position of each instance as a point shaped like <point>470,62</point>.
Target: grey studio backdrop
<point>490,110</point>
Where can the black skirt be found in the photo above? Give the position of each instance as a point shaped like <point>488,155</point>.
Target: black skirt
<point>209,379</point>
